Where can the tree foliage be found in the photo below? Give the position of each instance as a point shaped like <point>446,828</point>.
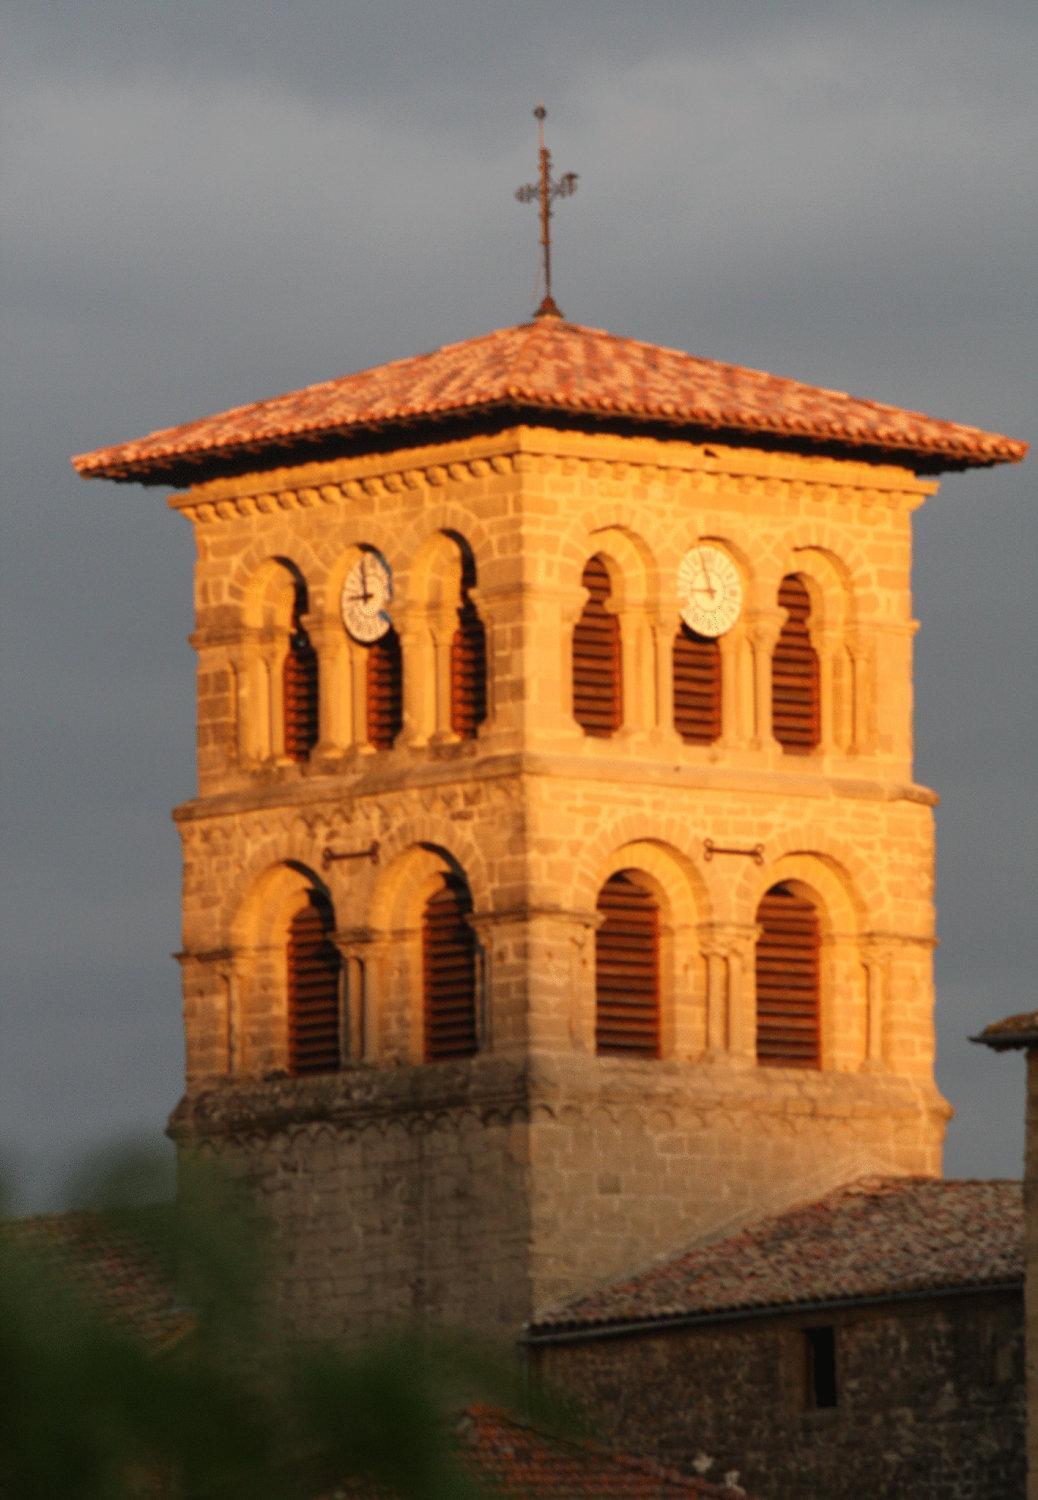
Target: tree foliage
<point>231,1408</point>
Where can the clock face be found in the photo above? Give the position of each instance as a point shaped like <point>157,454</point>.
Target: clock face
<point>365,597</point>
<point>709,591</point>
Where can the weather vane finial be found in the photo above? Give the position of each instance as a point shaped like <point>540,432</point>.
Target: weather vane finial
<point>546,190</point>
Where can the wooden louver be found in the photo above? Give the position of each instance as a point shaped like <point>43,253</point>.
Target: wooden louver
<point>313,990</point>
<point>449,973</point>
<point>627,1018</point>
<point>794,674</point>
<point>468,672</point>
<point>299,691</point>
<point>384,690</point>
<point>787,981</point>
<point>597,671</point>
<point>697,687</point>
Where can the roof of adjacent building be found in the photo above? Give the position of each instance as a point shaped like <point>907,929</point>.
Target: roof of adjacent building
<point>1014,1031</point>
<point>872,1240</point>
<point>108,1269</point>
<point>516,1459</point>
<point>549,368</point>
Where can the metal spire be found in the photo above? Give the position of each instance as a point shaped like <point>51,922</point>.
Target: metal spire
<point>546,191</point>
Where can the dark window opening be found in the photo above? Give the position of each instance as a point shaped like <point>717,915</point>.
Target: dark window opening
<point>697,687</point>
<point>449,973</point>
<point>299,688</point>
<point>627,1007</point>
<point>385,691</point>
<point>795,719</point>
<point>597,671</point>
<point>820,1368</point>
<point>313,990</point>
<point>468,670</point>
<point>787,981</point>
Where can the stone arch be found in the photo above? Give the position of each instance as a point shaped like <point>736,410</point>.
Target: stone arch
<point>657,863</point>
<point>275,667</point>
<point>259,990</point>
<point>843,992</point>
<point>445,641</point>
<point>417,548</point>
<point>664,846</point>
<point>393,959</point>
<point>344,661</point>
<point>630,562</point>
<point>728,660</point>
<point>633,601</point>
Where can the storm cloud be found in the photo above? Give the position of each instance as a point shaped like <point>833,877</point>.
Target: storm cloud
<point>210,204</point>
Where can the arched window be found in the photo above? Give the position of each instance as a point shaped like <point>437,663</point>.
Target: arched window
<point>697,687</point>
<point>384,691</point>
<point>299,686</point>
<point>627,1003</point>
<point>449,973</point>
<point>313,990</point>
<point>597,669</point>
<point>794,673</point>
<point>787,981</point>
<point>468,662</point>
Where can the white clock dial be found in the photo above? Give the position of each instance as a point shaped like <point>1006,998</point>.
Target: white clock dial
<point>709,591</point>
<point>365,597</point>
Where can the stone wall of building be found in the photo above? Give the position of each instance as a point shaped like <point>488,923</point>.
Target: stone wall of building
<point>929,1399</point>
<point>392,1198</point>
<point>622,1160</point>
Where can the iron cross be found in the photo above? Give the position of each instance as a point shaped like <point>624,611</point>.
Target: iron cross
<point>546,190</point>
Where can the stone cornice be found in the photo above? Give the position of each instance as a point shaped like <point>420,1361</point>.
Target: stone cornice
<point>432,1096</point>
<point>709,469</point>
<point>336,787</point>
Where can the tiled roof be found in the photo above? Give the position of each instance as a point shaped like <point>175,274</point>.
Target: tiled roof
<point>875,1238</point>
<point>108,1270</point>
<point>1014,1031</point>
<point>511,1457</point>
<point>548,366</point>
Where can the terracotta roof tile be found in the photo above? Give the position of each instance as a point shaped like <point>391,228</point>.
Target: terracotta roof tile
<point>108,1270</point>
<point>875,1238</point>
<point>512,1457</point>
<point>1014,1031</point>
<point>551,367</point>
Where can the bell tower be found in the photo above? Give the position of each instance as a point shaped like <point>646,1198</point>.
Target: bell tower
<point>557,890</point>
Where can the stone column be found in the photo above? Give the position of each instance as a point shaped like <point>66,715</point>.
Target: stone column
<point>826,643</point>
<point>763,628</point>
<point>334,689</point>
<point>212,1020</point>
<point>730,1020</point>
<point>876,958</point>
<point>737,705</point>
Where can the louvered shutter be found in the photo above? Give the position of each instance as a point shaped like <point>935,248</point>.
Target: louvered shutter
<point>697,687</point>
<point>384,690</point>
<point>468,673</point>
<point>787,981</point>
<point>627,970</point>
<point>299,691</point>
<point>597,672</point>
<point>449,973</point>
<point>794,674</point>
<point>313,991</point>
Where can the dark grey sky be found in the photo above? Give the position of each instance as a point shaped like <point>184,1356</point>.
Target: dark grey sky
<point>207,204</point>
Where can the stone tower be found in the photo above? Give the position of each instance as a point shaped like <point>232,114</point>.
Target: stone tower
<point>557,890</point>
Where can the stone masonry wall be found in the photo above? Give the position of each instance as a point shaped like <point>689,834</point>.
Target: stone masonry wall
<point>929,1399</point>
<point>391,1198</point>
<point>619,1161</point>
